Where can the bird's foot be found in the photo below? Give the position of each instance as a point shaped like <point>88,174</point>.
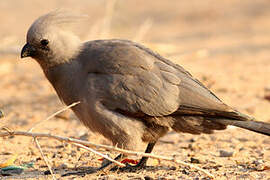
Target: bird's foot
<point>130,168</point>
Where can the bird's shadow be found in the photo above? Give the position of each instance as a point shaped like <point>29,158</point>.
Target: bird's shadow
<point>82,171</point>
<point>79,171</point>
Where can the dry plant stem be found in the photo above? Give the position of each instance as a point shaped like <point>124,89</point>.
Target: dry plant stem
<point>44,158</point>
<point>54,114</point>
<point>100,154</point>
<point>111,148</point>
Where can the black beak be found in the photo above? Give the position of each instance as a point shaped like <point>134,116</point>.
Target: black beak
<point>27,51</point>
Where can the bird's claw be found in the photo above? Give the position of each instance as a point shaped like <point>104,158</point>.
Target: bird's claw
<point>129,167</point>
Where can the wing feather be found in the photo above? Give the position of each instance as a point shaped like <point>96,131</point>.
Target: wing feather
<point>141,81</point>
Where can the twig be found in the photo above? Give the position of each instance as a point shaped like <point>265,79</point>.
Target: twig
<point>44,158</point>
<point>54,114</point>
<point>100,154</point>
<point>111,148</point>
<point>35,137</point>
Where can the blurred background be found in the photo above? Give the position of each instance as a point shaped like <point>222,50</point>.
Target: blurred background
<point>225,44</point>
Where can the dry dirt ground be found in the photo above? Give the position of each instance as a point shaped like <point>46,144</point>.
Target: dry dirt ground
<point>225,44</point>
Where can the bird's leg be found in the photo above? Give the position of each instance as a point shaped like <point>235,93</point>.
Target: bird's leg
<point>109,165</point>
<point>143,160</point>
<point>120,157</point>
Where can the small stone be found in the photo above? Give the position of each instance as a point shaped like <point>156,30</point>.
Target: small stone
<point>1,114</point>
<point>223,153</point>
<point>148,178</point>
<point>260,167</point>
<point>257,162</point>
<point>184,171</point>
<point>243,139</point>
<point>48,172</point>
<point>194,160</point>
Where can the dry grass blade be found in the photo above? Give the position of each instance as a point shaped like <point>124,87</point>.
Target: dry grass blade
<point>54,114</point>
<point>44,158</point>
<point>111,148</point>
<point>100,154</point>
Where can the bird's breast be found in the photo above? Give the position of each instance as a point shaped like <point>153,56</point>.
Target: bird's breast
<point>67,81</point>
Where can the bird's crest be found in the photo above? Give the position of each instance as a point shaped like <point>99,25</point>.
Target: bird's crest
<point>59,18</point>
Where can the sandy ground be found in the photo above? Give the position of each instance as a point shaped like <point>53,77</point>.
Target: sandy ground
<point>225,44</point>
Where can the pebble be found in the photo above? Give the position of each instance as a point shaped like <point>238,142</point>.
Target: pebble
<point>223,153</point>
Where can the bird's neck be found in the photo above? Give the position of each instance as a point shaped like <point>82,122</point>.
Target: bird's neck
<point>66,80</point>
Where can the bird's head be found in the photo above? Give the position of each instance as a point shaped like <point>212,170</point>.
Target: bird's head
<point>50,39</point>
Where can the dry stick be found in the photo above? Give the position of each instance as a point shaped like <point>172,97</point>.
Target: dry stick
<point>111,148</point>
<point>82,146</point>
<point>44,158</point>
<point>35,138</point>
<point>98,153</point>
<point>54,114</point>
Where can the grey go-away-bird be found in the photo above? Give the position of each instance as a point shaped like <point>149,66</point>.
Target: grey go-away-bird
<point>127,93</point>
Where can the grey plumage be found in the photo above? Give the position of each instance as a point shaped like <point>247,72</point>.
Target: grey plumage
<point>127,92</point>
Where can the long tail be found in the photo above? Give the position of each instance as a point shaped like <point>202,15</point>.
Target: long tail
<point>256,126</point>
<point>190,121</point>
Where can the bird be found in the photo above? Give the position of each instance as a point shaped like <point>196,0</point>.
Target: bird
<point>127,92</point>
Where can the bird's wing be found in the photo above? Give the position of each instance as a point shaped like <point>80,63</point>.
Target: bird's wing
<point>133,79</point>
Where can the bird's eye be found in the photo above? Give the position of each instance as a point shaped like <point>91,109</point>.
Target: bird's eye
<point>44,42</point>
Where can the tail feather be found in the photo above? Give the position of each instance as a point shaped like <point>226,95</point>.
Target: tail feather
<point>256,126</point>
<point>196,125</point>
